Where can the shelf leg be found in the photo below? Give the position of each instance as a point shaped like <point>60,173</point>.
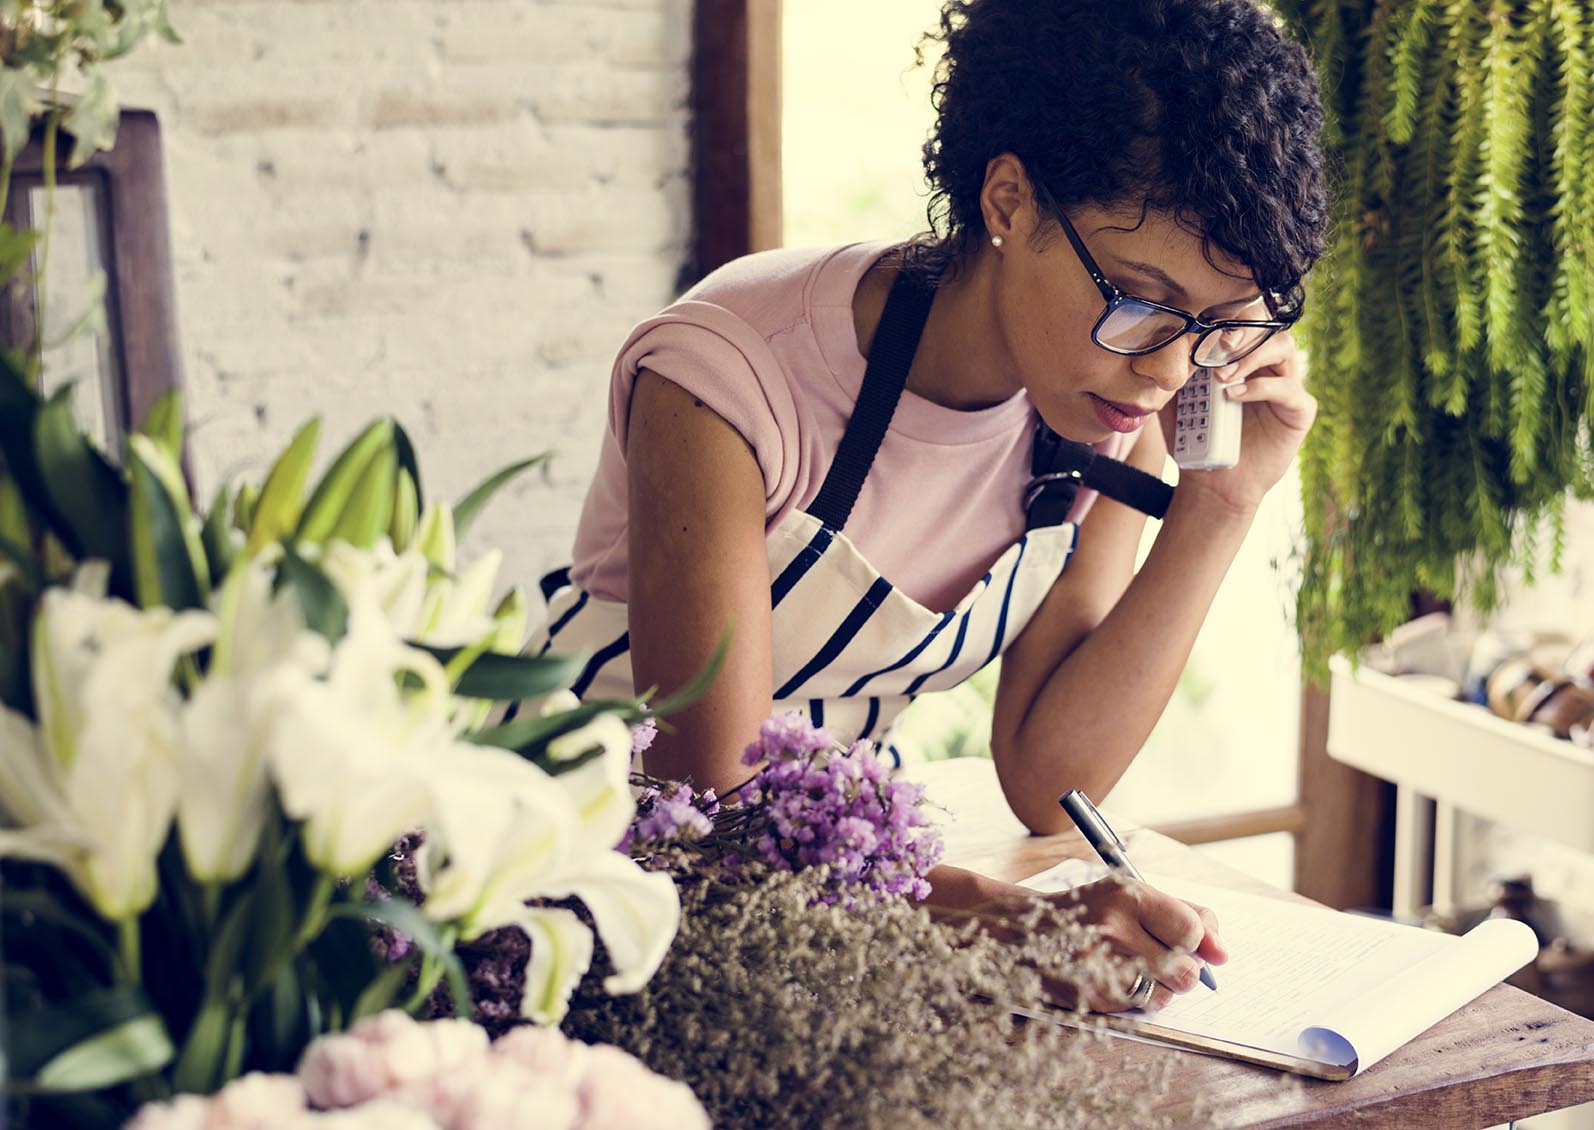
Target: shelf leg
<point>1414,826</point>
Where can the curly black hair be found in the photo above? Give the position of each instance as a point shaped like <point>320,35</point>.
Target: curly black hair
<point>1200,108</point>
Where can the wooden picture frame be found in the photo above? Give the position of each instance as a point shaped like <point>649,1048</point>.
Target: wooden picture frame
<point>127,189</point>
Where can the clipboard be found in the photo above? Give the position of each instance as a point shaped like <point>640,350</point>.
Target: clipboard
<point>1309,990</point>
<point>1144,1028</point>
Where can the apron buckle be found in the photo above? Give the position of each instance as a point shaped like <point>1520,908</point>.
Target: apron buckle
<point>1049,498</point>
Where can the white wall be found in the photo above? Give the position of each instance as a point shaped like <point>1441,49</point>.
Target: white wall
<point>447,210</point>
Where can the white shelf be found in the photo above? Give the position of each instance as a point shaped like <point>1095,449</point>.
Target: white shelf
<point>1460,754</point>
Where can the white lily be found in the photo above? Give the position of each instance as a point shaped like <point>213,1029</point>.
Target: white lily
<point>423,603</point>
<point>223,794</point>
<point>92,787</point>
<point>353,755</point>
<point>554,838</point>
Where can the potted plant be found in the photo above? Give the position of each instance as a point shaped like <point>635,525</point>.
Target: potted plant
<point>1450,329</point>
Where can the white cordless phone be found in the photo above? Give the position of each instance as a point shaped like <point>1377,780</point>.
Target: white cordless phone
<point>1206,430</point>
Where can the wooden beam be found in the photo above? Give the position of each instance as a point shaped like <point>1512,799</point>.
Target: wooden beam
<point>1234,826</point>
<point>1344,852</point>
<point>735,138</point>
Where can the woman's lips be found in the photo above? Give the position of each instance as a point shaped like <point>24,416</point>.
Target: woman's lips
<point>1118,417</point>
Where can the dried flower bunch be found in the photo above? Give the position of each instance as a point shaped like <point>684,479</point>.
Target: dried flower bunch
<point>782,1010</point>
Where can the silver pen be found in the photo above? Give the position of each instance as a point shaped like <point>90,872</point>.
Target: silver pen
<point>1105,842</point>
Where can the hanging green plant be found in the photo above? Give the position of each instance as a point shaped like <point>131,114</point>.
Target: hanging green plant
<point>1450,327</point>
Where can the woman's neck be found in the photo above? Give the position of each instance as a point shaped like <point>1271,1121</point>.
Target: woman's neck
<point>960,362</point>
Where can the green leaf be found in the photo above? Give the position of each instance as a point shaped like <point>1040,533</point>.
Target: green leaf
<point>339,965</point>
<point>200,1063</point>
<point>92,119</point>
<point>511,677</point>
<point>528,736</point>
<point>134,1047</point>
<point>15,690</point>
<point>274,912</point>
<point>408,920</point>
<point>243,506</point>
<point>38,908</point>
<point>331,495</point>
<point>18,104</point>
<point>16,249</point>
<point>19,411</point>
<point>406,513</point>
<point>21,558</point>
<point>36,1037</point>
<point>408,462</point>
<point>279,1024</point>
<point>164,424</point>
<point>14,524</point>
<point>221,542</point>
<point>382,993</point>
<point>325,610</point>
<point>87,494</point>
<point>369,511</point>
<point>169,567</point>
<point>466,510</point>
<point>282,497</point>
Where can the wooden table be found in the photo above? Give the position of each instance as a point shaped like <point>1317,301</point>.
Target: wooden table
<point>1505,1056</point>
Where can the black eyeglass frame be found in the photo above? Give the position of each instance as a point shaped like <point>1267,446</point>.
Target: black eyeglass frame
<point>1116,299</point>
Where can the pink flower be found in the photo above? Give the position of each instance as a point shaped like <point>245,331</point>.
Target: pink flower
<point>390,1072</point>
<point>255,1102</point>
<point>383,1114</point>
<point>616,1091</point>
<point>545,1052</point>
<point>509,1097</point>
<point>185,1112</point>
<point>619,1093</point>
<point>384,1053</point>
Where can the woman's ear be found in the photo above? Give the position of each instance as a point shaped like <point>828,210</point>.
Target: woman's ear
<point>1004,196</point>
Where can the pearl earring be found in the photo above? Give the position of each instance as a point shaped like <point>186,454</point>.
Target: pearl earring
<point>996,241</point>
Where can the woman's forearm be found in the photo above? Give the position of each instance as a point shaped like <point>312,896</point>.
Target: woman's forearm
<point>1094,711</point>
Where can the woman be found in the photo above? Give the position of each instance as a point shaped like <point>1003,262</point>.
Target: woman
<point>1110,178</point>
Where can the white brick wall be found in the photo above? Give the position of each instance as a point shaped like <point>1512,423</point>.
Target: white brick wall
<point>446,210</point>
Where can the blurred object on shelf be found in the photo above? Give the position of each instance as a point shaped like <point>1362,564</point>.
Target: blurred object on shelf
<point>1562,974</point>
<point>1568,976</point>
<point>1425,646</point>
<point>1522,690</point>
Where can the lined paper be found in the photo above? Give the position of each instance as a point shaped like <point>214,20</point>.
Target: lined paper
<point>1335,988</point>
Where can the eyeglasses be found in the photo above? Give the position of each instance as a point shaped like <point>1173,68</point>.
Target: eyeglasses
<point>1134,326</point>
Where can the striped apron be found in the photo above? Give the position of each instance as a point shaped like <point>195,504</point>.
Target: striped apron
<point>850,649</point>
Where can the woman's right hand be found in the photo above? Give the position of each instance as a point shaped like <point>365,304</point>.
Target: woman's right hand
<point>1139,929</point>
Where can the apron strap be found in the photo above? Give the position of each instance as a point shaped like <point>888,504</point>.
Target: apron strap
<point>890,354</point>
<point>1061,467</point>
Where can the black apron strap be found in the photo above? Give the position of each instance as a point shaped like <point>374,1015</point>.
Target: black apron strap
<point>554,581</point>
<point>895,340</point>
<point>1061,467</point>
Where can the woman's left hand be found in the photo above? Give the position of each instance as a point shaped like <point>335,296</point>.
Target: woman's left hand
<point>1278,414</point>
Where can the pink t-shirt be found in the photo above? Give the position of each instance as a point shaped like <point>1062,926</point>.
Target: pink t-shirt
<point>768,343</point>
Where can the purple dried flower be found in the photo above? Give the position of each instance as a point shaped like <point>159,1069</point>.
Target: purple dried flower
<point>787,735</point>
<point>642,735</point>
<point>669,813</point>
<point>811,804</point>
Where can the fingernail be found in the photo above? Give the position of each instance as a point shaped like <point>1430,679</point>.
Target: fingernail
<point>1235,391</point>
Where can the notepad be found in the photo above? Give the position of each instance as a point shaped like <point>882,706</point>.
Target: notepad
<point>1312,990</point>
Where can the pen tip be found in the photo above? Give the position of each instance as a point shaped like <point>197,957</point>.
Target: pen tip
<point>1207,979</point>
